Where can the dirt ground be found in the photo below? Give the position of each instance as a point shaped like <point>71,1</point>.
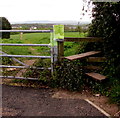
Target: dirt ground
<point>98,100</point>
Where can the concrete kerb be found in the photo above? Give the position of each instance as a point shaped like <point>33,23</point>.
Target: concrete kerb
<point>101,110</point>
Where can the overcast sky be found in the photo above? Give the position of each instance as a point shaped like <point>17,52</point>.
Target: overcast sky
<point>30,10</point>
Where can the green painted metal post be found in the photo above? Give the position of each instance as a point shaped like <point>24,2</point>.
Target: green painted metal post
<point>57,38</point>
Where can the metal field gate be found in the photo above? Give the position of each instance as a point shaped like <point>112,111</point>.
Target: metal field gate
<point>57,34</point>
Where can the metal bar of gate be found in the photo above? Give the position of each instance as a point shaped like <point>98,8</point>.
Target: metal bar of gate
<point>24,67</point>
<point>15,59</point>
<point>36,31</point>
<point>13,77</point>
<point>8,44</point>
<point>43,57</point>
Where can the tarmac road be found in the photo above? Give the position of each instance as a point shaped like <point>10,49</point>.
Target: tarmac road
<point>24,101</point>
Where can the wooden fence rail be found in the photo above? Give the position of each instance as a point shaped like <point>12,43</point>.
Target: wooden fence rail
<point>85,39</point>
<point>73,39</point>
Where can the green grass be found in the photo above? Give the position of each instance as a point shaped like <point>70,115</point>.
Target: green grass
<point>28,38</point>
<point>39,38</point>
<point>75,34</point>
<point>72,48</point>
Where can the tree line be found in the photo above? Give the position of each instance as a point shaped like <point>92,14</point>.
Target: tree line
<point>5,25</point>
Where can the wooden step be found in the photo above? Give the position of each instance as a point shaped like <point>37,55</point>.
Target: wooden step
<point>96,59</point>
<point>91,67</point>
<point>96,76</point>
<point>82,55</point>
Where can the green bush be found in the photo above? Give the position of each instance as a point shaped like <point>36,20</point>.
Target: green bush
<point>68,75</point>
<point>6,60</point>
<point>115,94</point>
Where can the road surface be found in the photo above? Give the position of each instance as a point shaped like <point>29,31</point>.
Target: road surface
<point>25,101</point>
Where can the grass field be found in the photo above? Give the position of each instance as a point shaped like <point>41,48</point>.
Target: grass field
<point>39,38</point>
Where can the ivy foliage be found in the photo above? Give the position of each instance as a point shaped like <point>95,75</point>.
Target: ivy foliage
<point>106,24</point>
<point>69,75</point>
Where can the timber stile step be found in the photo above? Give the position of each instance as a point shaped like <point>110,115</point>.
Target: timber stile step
<point>96,59</point>
<point>96,76</point>
<point>90,67</point>
<point>82,55</point>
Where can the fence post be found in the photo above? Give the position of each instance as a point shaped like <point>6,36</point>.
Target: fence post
<point>59,39</point>
<point>21,35</point>
<point>57,47</point>
<point>52,52</point>
<point>60,50</point>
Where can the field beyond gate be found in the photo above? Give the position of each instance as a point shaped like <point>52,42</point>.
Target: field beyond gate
<point>38,38</point>
<point>34,38</point>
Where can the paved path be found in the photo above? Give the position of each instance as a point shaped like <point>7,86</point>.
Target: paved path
<point>22,101</point>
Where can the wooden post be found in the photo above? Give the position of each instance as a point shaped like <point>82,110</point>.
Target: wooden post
<point>21,35</point>
<point>60,50</point>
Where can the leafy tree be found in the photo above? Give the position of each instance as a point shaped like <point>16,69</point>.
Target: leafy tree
<point>5,25</point>
<point>106,23</point>
<point>79,29</point>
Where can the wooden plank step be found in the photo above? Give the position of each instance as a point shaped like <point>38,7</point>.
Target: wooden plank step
<point>96,59</point>
<point>82,55</point>
<point>96,76</point>
<point>91,67</point>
